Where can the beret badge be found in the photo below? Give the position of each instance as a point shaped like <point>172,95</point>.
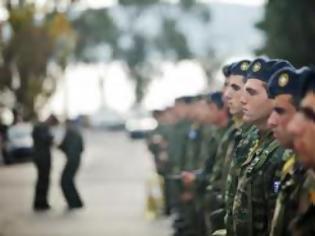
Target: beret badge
<point>283,80</point>
<point>257,67</point>
<point>244,66</point>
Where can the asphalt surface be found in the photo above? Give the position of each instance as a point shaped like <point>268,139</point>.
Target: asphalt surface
<point>112,182</point>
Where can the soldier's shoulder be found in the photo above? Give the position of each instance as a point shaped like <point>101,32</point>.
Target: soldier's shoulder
<point>277,152</point>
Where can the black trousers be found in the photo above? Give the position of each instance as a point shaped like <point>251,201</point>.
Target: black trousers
<point>67,182</point>
<point>43,166</point>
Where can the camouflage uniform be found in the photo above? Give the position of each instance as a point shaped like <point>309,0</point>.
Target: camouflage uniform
<point>192,147</point>
<point>176,152</point>
<point>258,185</point>
<point>295,199</point>
<point>209,147</point>
<point>214,210</point>
<point>303,224</point>
<point>292,178</point>
<point>246,136</point>
<point>177,145</point>
<point>157,142</point>
<point>203,176</point>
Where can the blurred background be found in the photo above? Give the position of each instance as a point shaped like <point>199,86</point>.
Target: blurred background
<point>107,63</point>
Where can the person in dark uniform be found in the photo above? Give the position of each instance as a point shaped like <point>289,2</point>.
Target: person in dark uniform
<point>43,141</point>
<point>72,146</point>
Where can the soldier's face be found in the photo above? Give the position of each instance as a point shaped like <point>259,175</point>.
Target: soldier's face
<point>256,105</point>
<point>302,127</point>
<point>282,113</point>
<point>225,86</point>
<point>233,94</point>
<point>180,110</point>
<point>212,113</point>
<point>200,110</point>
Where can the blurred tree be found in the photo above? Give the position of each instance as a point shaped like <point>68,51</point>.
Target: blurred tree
<point>26,55</point>
<point>94,27</point>
<point>118,29</point>
<point>138,2</point>
<point>290,31</point>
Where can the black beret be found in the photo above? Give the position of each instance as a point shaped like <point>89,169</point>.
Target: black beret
<point>226,70</point>
<point>285,81</point>
<point>308,81</point>
<point>216,98</point>
<point>157,112</point>
<point>240,68</point>
<point>185,99</point>
<point>197,97</point>
<point>262,68</point>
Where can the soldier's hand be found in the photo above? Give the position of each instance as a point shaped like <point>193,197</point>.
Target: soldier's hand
<point>163,157</point>
<point>188,178</point>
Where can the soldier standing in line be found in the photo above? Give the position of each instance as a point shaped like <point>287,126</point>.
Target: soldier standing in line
<point>194,136</point>
<point>243,138</point>
<point>218,117</point>
<point>155,139</point>
<point>176,152</point>
<point>259,178</point>
<point>73,146</point>
<point>284,89</point>
<point>216,187</point>
<point>158,144</point>
<point>302,127</point>
<point>43,140</point>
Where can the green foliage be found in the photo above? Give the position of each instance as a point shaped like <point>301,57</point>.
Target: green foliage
<point>188,3</point>
<point>93,28</point>
<point>26,55</point>
<point>138,2</point>
<point>100,27</point>
<point>290,31</point>
<point>174,40</point>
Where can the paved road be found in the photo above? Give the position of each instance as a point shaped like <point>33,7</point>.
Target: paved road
<point>111,181</point>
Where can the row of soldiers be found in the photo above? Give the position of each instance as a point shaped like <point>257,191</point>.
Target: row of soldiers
<point>241,161</point>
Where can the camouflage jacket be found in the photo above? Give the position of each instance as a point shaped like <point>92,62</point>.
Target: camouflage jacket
<point>203,177</point>
<point>257,188</point>
<point>177,145</point>
<point>208,144</point>
<point>292,178</point>
<point>303,222</point>
<point>194,138</point>
<point>244,137</point>
<point>223,157</point>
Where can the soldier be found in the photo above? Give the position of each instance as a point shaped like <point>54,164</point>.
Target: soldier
<point>176,151</point>
<point>194,136</point>
<point>179,136</point>
<point>229,140</point>
<point>284,89</point>
<point>259,178</point>
<point>43,141</point>
<point>217,116</point>
<point>198,180</point>
<point>155,139</point>
<point>72,145</point>
<point>158,144</point>
<point>303,130</point>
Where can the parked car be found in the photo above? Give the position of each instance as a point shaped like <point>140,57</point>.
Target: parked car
<point>108,119</point>
<point>19,144</point>
<point>139,124</point>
